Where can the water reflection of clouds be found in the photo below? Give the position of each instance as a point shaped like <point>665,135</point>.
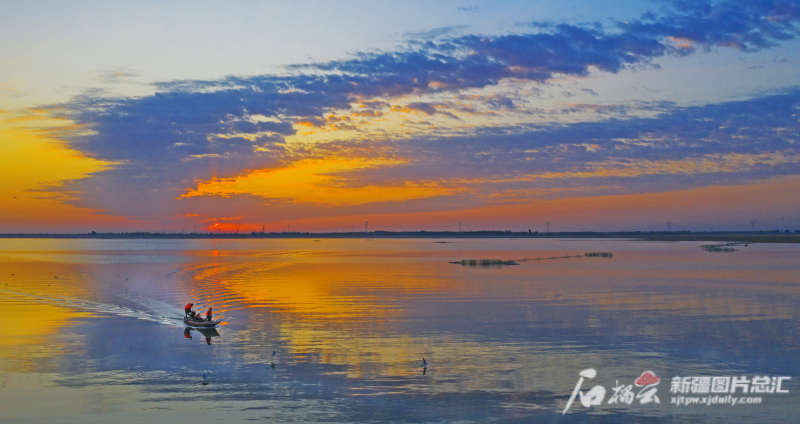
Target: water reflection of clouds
<point>502,343</point>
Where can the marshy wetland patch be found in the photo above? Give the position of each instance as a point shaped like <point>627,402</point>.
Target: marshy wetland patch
<point>500,262</point>
<point>722,247</point>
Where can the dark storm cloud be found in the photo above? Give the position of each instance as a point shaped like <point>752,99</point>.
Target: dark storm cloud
<point>201,130</point>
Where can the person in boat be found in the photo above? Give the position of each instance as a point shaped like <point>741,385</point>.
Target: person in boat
<point>208,315</point>
<point>187,310</point>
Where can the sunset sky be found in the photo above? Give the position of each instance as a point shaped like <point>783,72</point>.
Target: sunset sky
<point>163,116</point>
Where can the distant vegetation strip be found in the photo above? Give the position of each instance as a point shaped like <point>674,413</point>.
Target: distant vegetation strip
<point>775,236</point>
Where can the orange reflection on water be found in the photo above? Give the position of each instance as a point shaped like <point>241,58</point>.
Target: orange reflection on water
<point>344,309</point>
<point>326,309</point>
<point>340,303</point>
<point>30,332</point>
<point>308,291</point>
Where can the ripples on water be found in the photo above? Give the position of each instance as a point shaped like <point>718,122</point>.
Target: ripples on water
<point>93,329</point>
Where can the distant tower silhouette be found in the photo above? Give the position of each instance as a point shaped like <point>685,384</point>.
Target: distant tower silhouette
<point>753,224</point>
<point>366,226</point>
<point>668,225</point>
<point>263,229</point>
<point>183,230</point>
<point>237,227</point>
<point>459,226</point>
<point>195,228</point>
<point>548,226</point>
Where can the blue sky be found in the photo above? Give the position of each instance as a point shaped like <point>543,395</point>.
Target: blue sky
<point>54,50</point>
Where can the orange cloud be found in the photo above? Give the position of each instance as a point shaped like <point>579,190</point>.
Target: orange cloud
<point>34,166</point>
<point>312,181</point>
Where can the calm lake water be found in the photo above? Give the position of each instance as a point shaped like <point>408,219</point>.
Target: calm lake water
<point>93,330</point>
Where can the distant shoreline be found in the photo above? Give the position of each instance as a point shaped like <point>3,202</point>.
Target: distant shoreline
<point>744,236</point>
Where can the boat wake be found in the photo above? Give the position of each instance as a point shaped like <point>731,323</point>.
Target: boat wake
<point>159,312</point>
<point>157,308</point>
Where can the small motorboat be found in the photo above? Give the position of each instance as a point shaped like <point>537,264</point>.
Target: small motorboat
<point>201,323</point>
